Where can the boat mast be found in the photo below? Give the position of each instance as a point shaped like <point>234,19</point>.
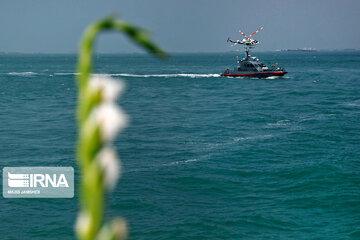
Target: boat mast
<point>246,48</point>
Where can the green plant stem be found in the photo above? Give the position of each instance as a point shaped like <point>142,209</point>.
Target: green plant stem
<point>92,196</point>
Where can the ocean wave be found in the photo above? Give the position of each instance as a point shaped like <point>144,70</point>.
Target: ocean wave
<point>355,103</point>
<point>317,117</point>
<point>22,74</point>
<point>181,162</point>
<point>279,123</point>
<point>66,74</point>
<point>259,137</point>
<point>190,75</point>
<point>155,168</point>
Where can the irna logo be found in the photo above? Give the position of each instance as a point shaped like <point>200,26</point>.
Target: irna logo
<point>38,182</point>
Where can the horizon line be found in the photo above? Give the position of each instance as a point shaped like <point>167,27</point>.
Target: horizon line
<point>176,52</point>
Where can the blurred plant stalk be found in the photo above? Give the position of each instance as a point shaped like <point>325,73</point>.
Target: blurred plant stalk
<point>99,120</point>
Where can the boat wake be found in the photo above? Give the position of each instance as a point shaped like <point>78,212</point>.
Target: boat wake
<point>169,75</point>
<point>190,75</point>
<point>22,74</point>
<point>273,77</point>
<point>125,75</point>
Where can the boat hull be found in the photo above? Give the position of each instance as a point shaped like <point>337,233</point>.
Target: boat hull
<point>256,74</point>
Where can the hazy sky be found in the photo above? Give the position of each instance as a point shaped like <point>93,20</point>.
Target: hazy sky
<point>55,26</point>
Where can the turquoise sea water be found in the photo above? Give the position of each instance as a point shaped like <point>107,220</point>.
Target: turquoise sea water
<point>205,157</point>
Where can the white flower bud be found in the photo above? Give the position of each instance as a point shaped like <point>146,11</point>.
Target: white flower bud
<point>83,224</point>
<point>110,88</point>
<point>119,227</point>
<point>110,118</point>
<point>109,162</point>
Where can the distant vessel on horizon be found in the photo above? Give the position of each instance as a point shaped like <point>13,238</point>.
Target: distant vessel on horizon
<point>299,50</point>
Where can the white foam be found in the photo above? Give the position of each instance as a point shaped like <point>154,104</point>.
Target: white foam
<point>238,139</point>
<point>22,74</point>
<point>355,103</point>
<point>279,123</point>
<point>181,162</point>
<point>157,167</point>
<point>66,74</point>
<point>273,77</point>
<point>317,117</point>
<point>190,75</point>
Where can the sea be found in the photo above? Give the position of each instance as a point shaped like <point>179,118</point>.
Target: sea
<point>204,156</point>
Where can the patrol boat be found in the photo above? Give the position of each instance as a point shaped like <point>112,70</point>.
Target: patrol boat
<point>251,66</point>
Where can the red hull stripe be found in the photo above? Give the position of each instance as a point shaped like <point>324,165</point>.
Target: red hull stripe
<point>252,74</point>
